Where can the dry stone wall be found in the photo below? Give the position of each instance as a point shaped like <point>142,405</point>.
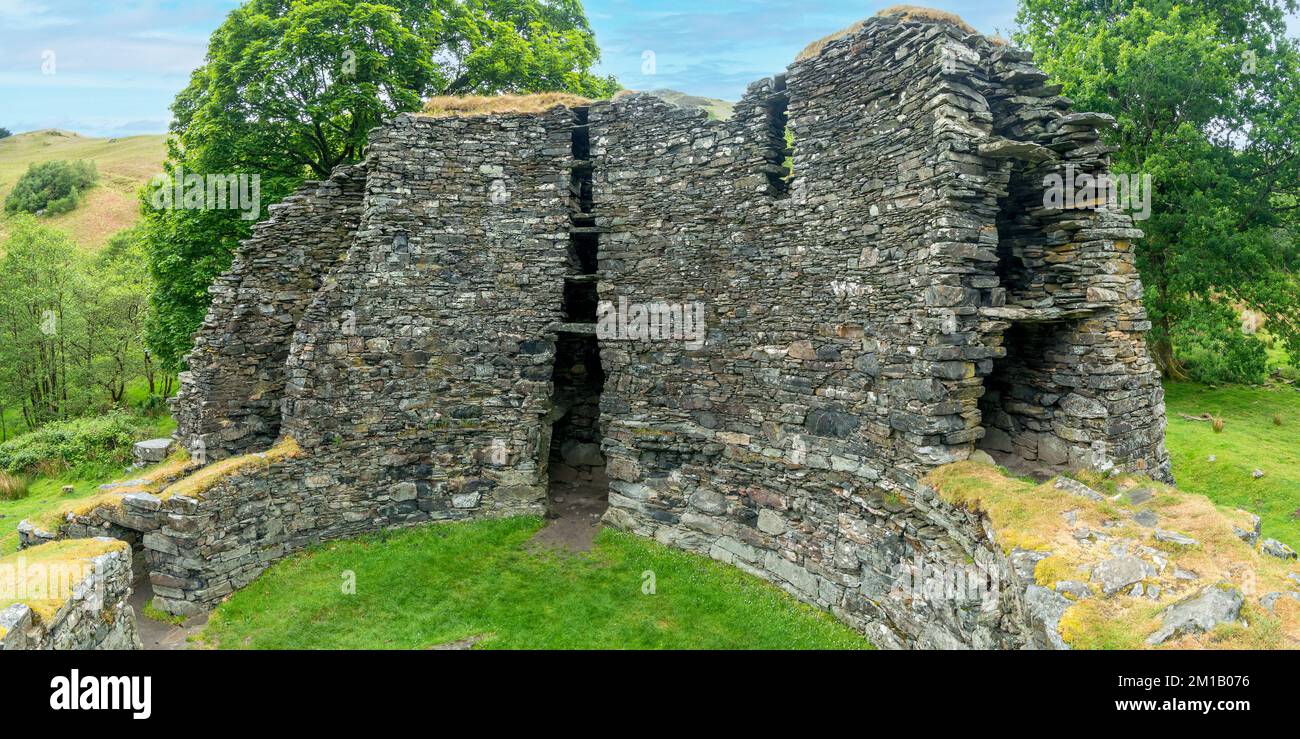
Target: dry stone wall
<point>229,402</point>
<point>94,615</point>
<point>900,301</point>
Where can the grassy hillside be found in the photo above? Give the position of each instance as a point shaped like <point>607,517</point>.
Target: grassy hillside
<point>124,165</point>
<point>719,109</point>
<point>1251,440</point>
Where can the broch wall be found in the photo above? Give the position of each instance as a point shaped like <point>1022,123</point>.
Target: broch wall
<point>900,302</point>
<point>86,593</point>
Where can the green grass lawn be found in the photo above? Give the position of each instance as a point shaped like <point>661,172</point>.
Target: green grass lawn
<point>424,587</point>
<point>45,493</point>
<point>1249,441</point>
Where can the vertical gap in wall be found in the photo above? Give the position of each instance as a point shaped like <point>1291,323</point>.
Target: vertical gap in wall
<point>779,140</point>
<point>578,491</point>
<point>578,487</point>
<point>1025,428</point>
<point>1019,233</point>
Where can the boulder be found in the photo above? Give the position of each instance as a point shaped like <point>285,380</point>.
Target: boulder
<point>1275,548</point>
<point>1250,536</point>
<point>1270,601</point>
<point>1113,575</point>
<point>1045,608</point>
<point>152,451</point>
<point>1213,606</point>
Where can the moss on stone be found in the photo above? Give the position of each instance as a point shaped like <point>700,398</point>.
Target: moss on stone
<point>208,477</point>
<point>151,482</point>
<point>1040,517</point>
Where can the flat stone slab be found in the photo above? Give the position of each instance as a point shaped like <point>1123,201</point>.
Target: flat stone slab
<point>1077,489</point>
<point>1118,573</point>
<point>1173,537</point>
<point>1140,496</point>
<point>1199,613</point>
<point>1098,120</point>
<point>153,451</point>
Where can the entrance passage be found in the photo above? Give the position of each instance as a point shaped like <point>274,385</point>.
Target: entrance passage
<point>1027,429</point>
<point>578,488</point>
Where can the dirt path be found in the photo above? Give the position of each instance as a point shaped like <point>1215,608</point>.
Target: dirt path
<point>156,635</point>
<point>574,516</point>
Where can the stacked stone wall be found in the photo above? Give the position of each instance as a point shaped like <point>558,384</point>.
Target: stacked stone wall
<point>95,615</point>
<point>229,402</point>
<point>898,302</point>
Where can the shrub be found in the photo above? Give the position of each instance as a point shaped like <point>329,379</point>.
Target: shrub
<point>1215,350</point>
<point>5,133</point>
<point>153,406</point>
<point>95,441</point>
<point>13,487</point>
<point>51,187</point>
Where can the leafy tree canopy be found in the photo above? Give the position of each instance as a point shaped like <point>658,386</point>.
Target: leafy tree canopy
<point>296,85</point>
<point>1207,98</point>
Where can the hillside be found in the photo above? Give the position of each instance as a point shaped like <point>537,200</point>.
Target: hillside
<point>720,109</point>
<point>124,165</point>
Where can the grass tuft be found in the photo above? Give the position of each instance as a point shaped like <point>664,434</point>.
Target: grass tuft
<point>447,106</point>
<point>916,13</point>
<point>14,487</point>
<point>162,616</point>
<point>902,12</point>
<point>207,478</point>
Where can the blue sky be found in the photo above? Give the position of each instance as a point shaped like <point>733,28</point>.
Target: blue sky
<point>119,63</point>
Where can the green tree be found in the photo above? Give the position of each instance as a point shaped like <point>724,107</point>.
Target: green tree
<point>292,88</point>
<point>5,133</point>
<point>51,188</point>
<point>1207,98</point>
<point>113,351</point>
<point>40,324</point>
<point>71,325</point>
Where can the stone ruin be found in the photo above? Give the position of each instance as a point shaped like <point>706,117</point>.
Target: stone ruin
<point>753,364</point>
